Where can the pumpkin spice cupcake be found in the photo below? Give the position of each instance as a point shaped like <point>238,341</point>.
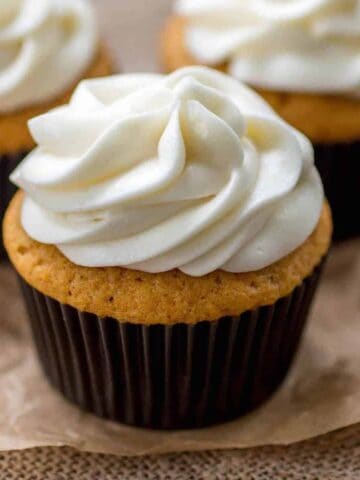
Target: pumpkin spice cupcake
<point>45,49</point>
<point>303,57</point>
<point>168,281</point>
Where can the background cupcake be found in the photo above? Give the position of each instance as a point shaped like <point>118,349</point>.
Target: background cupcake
<point>304,58</point>
<point>167,281</point>
<point>46,47</point>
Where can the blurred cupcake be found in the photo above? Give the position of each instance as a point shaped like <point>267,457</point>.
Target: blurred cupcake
<point>46,47</point>
<point>167,281</point>
<point>303,57</point>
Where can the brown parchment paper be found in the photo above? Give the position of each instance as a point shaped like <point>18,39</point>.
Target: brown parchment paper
<point>321,393</point>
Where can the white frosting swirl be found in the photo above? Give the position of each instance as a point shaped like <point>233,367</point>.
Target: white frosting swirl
<point>45,46</point>
<point>291,45</point>
<point>191,171</point>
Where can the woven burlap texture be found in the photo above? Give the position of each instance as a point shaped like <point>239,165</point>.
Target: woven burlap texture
<point>335,456</point>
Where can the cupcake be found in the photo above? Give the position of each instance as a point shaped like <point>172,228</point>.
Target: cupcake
<point>170,250</point>
<point>303,57</point>
<point>45,49</point>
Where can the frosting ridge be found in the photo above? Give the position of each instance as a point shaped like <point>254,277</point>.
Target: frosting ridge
<point>297,45</point>
<point>191,171</point>
<point>45,46</point>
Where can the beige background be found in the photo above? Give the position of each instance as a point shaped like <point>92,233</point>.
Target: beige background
<point>131,28</point>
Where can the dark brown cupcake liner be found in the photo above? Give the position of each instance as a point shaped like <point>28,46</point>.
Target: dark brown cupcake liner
<point>7,189</point>
<point>168,377</point>
<point>339,167</point>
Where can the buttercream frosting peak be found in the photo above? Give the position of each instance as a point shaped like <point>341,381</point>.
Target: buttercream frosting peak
<point>191,171</point>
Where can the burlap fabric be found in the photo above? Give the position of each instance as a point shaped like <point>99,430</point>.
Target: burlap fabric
<point>330,457</point>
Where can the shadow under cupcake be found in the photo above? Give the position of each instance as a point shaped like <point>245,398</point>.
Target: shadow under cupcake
<point>167,280</point>
<point>44,54</point>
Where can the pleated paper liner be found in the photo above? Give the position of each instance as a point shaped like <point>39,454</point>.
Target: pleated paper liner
<point>7,164</point>
<point>339,167</point>
<point>168,377</point>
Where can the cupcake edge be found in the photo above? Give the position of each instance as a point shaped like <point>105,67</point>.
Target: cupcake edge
<point>166,298</point>
<point>169,376</point>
